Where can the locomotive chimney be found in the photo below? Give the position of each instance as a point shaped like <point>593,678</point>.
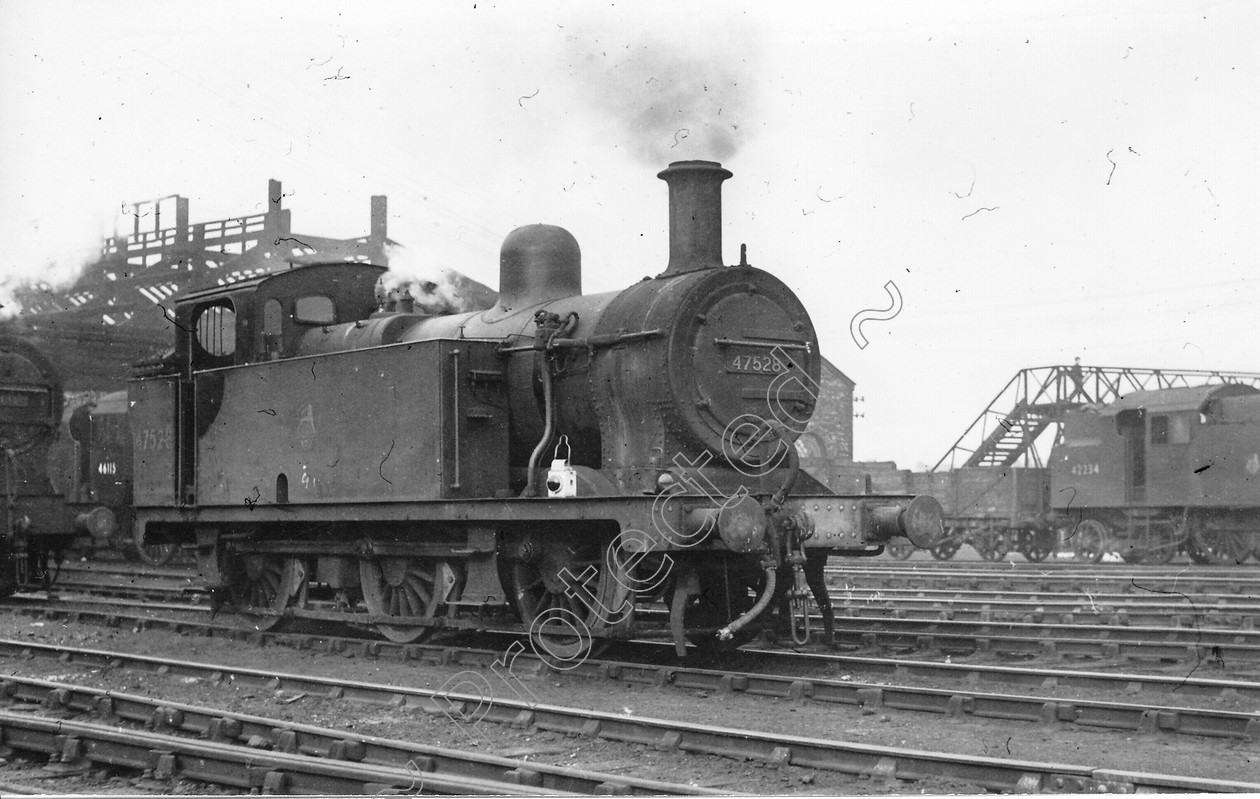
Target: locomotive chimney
<point>695,215</point>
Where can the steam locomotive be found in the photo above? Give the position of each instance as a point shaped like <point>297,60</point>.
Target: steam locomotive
<point>328,450</point>
<point>558,459</point>
<point>1156,472</point>
<point>36,520</point>
<point>67,475</point>
<point>1147,476</point>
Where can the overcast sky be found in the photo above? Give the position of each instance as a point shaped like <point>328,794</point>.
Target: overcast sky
<point>1041,181</point>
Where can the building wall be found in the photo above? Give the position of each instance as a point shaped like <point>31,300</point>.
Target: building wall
<point>827,443</point>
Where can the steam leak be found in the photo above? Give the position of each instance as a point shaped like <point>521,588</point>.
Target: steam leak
<point>434,288</point>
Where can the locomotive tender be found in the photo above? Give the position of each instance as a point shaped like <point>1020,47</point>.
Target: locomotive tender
<point>315,439</point>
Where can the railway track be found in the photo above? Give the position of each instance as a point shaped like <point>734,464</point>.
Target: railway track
<point>949,618</point>
<point>130,580</point>
<point>805,677</point>
<point>859,579</point>
<point>84,726</point>
<point>824,687</point>
<point>659,658</point>
<point>76,746</point>
<point>1215,629</point>
<point>870,760</point>
<point>1052,639</point>
<point>1192,643</point>
<point>1036,609</point>
<point>1145,608</point>
<point>1037,578</point>
<point>960,597</point>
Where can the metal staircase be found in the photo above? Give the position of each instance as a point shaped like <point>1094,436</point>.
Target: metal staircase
<point>1007,432</point>
<point>1011,437</point>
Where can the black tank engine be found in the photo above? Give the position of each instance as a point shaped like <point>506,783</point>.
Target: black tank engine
<point>563,457</point>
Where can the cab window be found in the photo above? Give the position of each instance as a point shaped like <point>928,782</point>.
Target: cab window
<point>1179,429</point>
<point>216,330</point>
<point>273,318</point>
<point>315,310</point>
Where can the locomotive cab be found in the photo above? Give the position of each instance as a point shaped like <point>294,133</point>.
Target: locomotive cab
<point>1161,470</point>
<point>266,317</point>
<point>1146,448</point>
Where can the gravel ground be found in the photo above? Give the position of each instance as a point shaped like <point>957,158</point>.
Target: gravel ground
<point>1171,754</point>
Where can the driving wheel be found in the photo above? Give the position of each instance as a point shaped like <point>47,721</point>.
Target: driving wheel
<point>568,592</point>
<point>410,589</point>
<point>260,587</point>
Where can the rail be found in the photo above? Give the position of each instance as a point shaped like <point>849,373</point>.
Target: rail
<point>870,760</point>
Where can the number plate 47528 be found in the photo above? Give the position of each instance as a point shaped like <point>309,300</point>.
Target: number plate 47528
<point>764,364</point>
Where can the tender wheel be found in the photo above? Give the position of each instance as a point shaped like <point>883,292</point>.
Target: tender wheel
<point>899,550</point>
<point>408,588</point>
<point>1038,545</point>
<point>260,587</point>
<point>1089,541</point>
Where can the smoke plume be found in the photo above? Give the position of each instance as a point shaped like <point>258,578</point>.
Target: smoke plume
<point>668,102</point>
<point>434,288</point>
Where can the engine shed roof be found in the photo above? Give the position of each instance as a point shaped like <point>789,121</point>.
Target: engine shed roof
<point>1171,400</point>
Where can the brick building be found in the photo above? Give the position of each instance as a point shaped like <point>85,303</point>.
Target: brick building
<point>827,443</point>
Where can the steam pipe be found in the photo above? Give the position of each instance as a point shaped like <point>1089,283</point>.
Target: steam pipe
<point>548,327</point>
<point>549,430</point>
<point>728,632</point>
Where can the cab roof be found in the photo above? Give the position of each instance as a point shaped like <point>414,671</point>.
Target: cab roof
<point>283,275</point>
<point>1171,400</point>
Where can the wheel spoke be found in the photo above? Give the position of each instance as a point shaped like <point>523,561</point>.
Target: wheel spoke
<point>413,590</point>
<point>571,578</point>
<point>534,584</point>
<point>422,583</point>
<point>277,581</point>
<point>423,596</point>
